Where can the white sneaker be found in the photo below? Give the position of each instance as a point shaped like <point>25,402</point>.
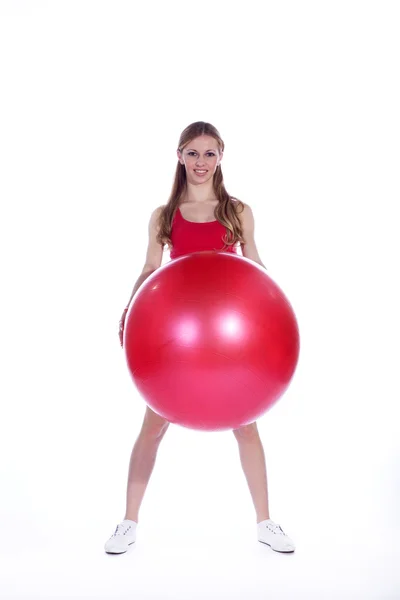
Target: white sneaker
<point>122,538</point>
<point>272,534</point>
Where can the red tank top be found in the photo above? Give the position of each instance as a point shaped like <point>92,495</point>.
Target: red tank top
<point>188,237</point>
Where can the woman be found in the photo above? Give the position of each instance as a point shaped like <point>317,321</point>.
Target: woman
<point>199,215</point>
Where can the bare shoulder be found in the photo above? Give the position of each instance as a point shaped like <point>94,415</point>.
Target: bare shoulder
<point>155,216</point>
<point>246,216</point>
<point>249,246</point>
<point>157,211</point>
<point>154,252</point>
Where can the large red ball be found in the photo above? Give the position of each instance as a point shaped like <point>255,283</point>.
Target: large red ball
<point>211,341</point>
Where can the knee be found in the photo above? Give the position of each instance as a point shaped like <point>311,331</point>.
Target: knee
<point>154,431</point>
<point>246,432</point>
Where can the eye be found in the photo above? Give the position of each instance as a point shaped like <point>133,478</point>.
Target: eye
<point>192,152</point>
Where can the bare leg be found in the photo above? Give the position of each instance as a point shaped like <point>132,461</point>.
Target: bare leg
<point>252,458</point>
<point>142,461</point>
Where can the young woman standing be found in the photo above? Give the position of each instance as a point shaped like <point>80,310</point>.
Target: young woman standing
<point>199,215</point>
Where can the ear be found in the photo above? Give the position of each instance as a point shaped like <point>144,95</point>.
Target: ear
<point>179,155</point>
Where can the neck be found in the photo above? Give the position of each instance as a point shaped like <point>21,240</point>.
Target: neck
<point>199,194</point>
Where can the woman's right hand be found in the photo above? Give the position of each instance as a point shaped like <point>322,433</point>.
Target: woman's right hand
<point>122,325</point>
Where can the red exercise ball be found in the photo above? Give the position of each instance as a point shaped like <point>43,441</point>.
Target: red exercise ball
<point>211,342</point>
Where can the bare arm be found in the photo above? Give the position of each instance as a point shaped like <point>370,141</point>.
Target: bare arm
<point>249,248</point>
<point>153,262</point>
<point>139,281</point>
<point>153,255</point>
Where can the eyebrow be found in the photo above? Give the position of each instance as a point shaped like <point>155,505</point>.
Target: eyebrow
<point>193,150</point>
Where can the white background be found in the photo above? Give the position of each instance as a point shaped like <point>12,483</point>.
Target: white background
<point>94,96</point>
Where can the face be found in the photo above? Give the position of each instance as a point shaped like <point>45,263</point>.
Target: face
<point>201,154</point>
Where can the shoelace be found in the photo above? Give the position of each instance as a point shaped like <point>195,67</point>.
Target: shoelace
<point>124,529</point>
<point>275,528</point>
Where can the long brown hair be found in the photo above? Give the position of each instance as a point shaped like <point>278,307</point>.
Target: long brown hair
<point>226,210</point>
